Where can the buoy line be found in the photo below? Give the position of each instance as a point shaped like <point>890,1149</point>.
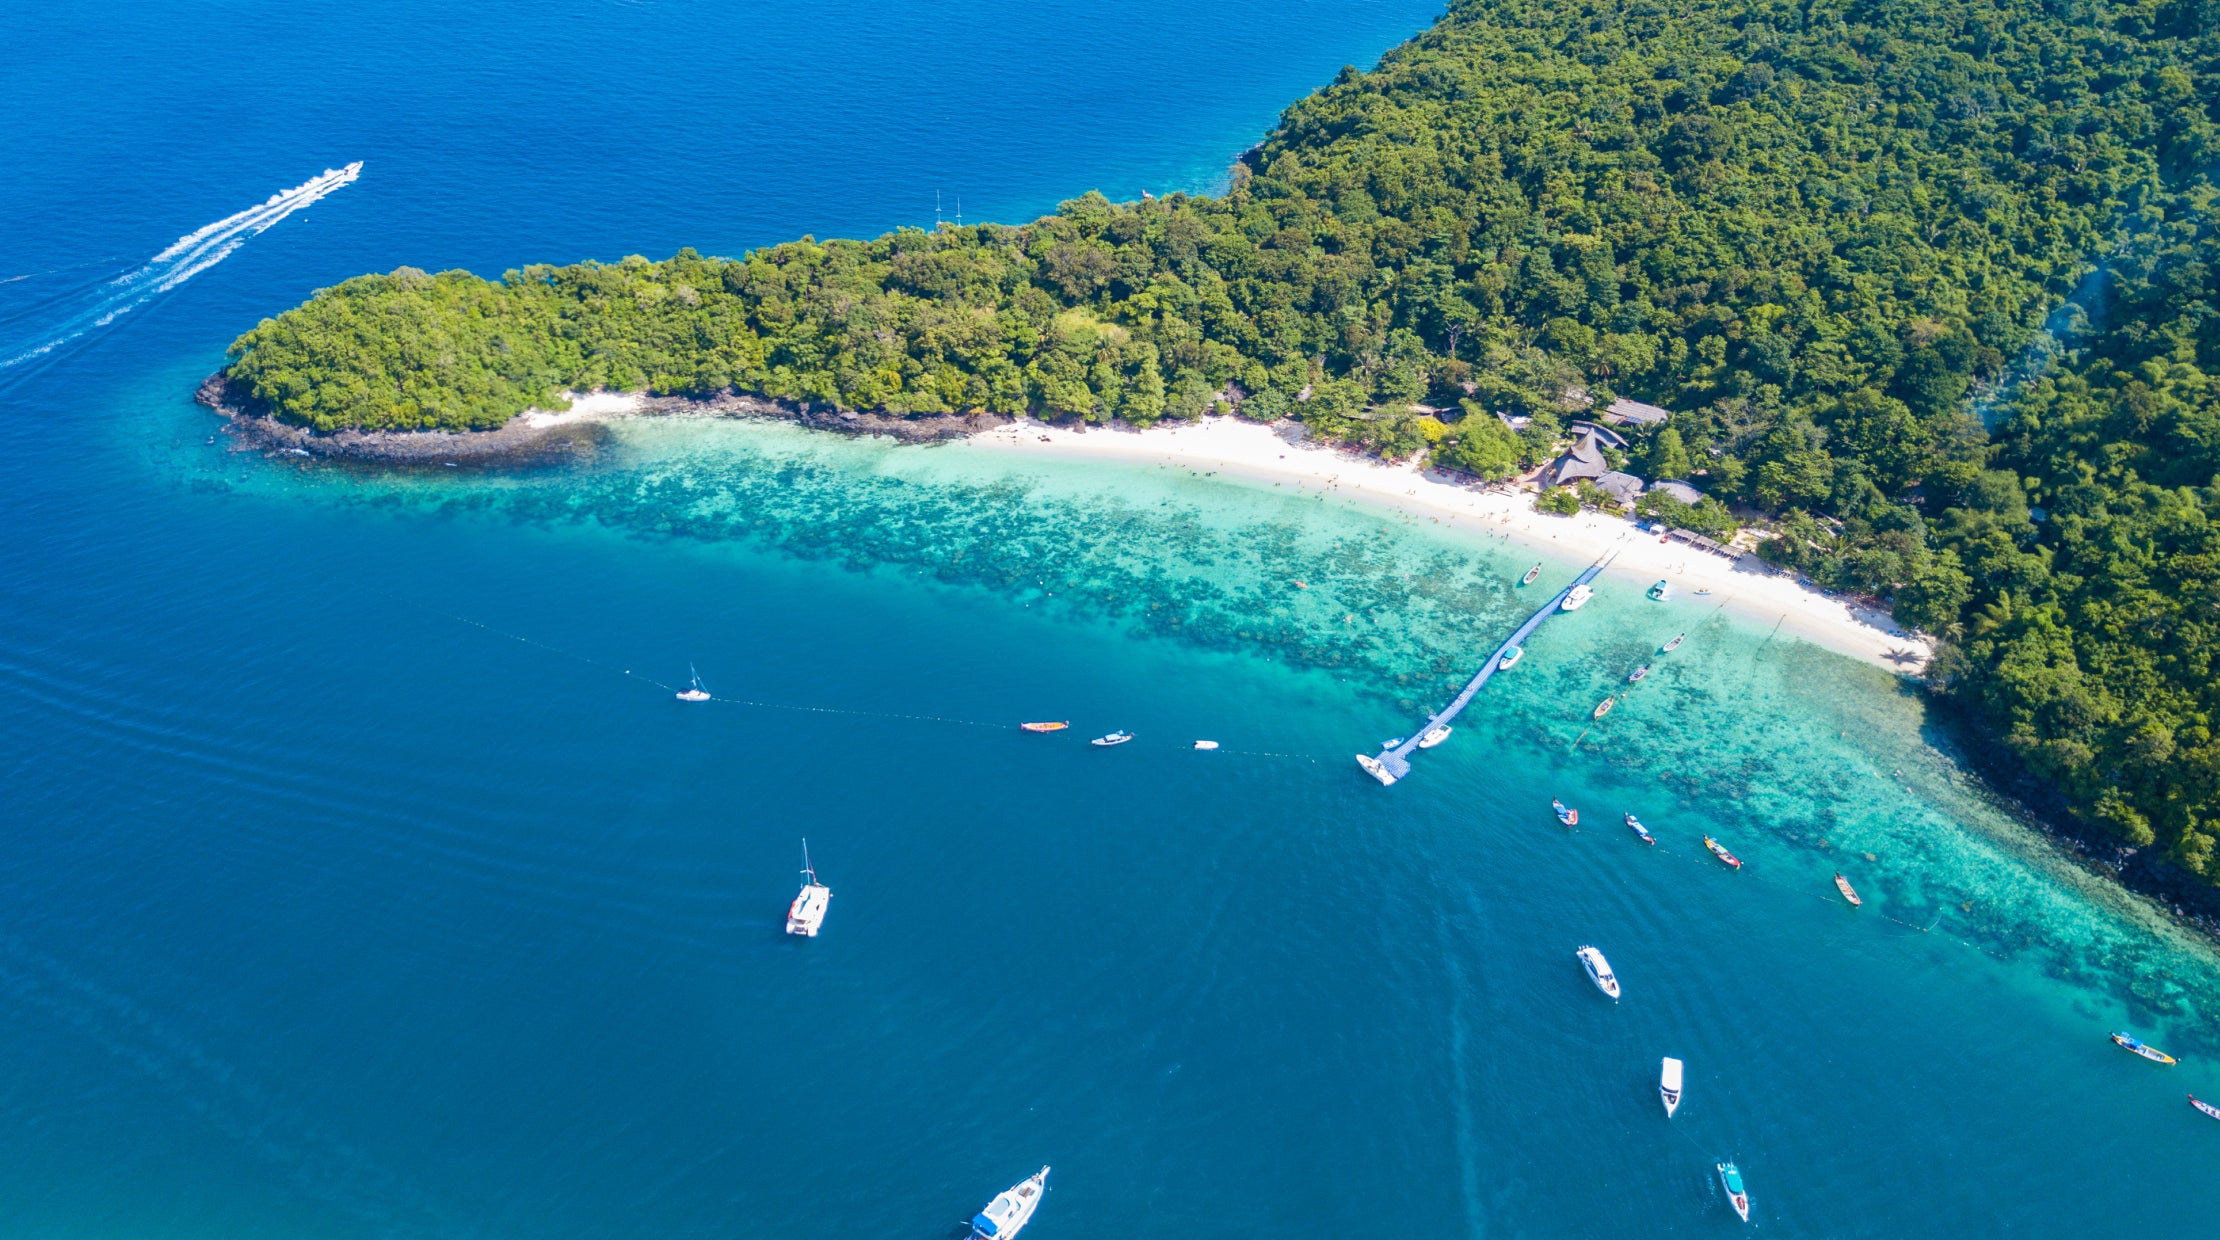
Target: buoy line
<point>721,699</point>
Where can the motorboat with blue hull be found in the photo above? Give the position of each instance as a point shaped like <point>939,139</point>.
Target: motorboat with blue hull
<point>1011,1210</point>
<point>1730,1178</point>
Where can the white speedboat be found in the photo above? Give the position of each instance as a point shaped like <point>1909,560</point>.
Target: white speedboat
<point>694,690</point>
<point>1511,656</point>
<point>1206,744</point>
<point>1010,1211</point>
<point>807,914</point>
<point>1115,738</point>
<point>1668,1086</point>
<point>1599,972</point>
<point>1575,597</point>
<point>1376,769</point>
<point>1730,1178</point>
<point>1435,736</point>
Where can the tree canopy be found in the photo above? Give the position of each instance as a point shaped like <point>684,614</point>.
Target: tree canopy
<point>1835,235</point>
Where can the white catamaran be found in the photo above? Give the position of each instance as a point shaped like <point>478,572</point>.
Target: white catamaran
<point>1009,1212</point>
<point>694,690</point>
<point>807,914</point>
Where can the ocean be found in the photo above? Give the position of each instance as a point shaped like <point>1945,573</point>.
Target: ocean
<point>362,879</point>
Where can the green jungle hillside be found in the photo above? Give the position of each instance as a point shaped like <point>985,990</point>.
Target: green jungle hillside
<point>1929,286</point>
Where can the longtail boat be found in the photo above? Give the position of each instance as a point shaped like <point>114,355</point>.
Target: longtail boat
<point>2129,1043</point>
<point>1604,707</point>
<point>1045,727</point>
<point>2204,1106</point>
<point>1720,851</point>
<point>1565,813</point>
<point>1843,885</point>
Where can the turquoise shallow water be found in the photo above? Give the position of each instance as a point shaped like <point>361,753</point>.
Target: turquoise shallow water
<point>361,879</point>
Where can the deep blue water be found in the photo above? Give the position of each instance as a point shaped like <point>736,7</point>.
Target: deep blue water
<point>360,879</point>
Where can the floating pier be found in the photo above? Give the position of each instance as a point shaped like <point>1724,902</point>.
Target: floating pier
<point>1395,763</point>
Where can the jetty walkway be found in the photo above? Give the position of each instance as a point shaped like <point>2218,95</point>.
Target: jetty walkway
<point>1395,763</point>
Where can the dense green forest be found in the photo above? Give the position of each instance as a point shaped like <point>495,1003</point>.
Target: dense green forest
<point>1929,286</point>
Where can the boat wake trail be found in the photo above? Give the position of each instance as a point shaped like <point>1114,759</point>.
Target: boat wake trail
<point>190,255</point>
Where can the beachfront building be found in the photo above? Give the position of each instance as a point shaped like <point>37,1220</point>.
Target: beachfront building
<point>1625,488</point>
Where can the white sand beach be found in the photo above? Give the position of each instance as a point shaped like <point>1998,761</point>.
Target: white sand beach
<point>1274,455</point>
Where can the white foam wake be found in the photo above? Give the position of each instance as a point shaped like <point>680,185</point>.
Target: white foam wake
<point>190,255</point>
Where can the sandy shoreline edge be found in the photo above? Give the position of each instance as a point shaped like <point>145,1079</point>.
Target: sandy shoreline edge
<point>1231,447</point>
<point>1257,453</point>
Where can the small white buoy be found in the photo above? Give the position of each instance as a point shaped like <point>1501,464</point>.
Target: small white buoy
<point>1206,744</point>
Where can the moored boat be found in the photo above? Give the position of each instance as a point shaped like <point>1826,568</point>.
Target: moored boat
<point>1575,597</point>
<point>2152,1053</point>
<point>1115,738</point>
<point>1206,744</point>
<point>1730,1178</point>
<point>1639,829</point>
<point>1011,1210</point>
<point>1635,677</point>
<point>1513,655</point>
<point>1565,813</point>
<point>806,915</point>
<point>1662,590</point>
<point>2204,1106</point>
<point>1435,736</point>
<point>1674,644</point>
<point>1045,727</point>
<point>1604,707</point>
<point>1599,971</point>
<point>1848,893</point>
<point>1376,769</point>
<point>694,691</point>
<point>1668,1086</point>
<point>1531,574</point>
<point>1720,851</point>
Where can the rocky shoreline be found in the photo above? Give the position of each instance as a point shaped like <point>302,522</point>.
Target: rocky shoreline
<point>531,438</point>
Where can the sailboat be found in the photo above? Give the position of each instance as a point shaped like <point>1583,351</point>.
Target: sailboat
<point>1010,1211</point>
<point>1668,1086</point>
<point>807,914</point>
<point>694,690</point>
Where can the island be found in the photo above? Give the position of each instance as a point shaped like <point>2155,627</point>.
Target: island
<point>1926,290</point>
